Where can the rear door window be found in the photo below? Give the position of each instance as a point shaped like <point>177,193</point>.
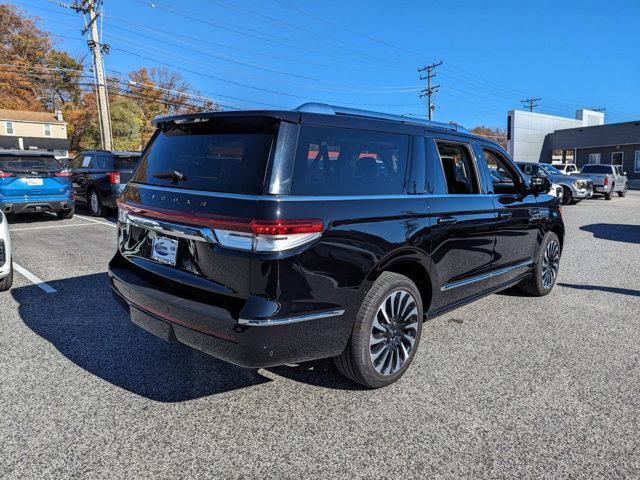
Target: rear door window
<point>226,155</point>
<point>597,169</point>
<point>25,164</point>
<point>458,167</point>
<point>339,161</point>
<point>126,161</point>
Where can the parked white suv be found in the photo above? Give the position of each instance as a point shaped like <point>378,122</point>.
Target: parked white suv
<point>6,269</point>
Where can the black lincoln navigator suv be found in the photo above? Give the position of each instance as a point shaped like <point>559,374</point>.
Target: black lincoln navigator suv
<point>272,237</point>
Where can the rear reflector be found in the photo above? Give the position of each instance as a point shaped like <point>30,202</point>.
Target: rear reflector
<point>63,173</point>
<point>5,174</point>
<point>114,178</point>
<point>606,181</point>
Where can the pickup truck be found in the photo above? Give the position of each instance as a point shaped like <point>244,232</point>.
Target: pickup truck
<point>575,188</point>
<point>607,179</point>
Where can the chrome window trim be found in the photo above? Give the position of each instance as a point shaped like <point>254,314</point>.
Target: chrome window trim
<point>484,276</point>
<point>277,198</point>
<point>268,322</point>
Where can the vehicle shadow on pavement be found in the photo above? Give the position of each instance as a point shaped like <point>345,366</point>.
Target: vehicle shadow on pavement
<point>621,291</point>
<point>614,231</point>
<point>84,323</point>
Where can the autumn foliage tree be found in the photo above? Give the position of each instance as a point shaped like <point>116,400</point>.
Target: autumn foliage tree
<point>36,76</point>
<point>497,134</point>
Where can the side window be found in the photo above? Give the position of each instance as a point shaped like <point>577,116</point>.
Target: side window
<point>459,171</point>
<point>504,177</point>
<point>77,161</point>
<point>337,161</point>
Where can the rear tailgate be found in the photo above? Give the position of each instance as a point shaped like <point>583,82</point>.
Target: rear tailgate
<point>191,176</point>
<point>29,177</point>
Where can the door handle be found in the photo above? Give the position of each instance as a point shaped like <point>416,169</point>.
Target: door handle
<point>447,220</point>
<point>505,215</point>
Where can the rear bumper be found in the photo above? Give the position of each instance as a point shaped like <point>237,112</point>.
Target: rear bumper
<point>218,332</point>
<point>36,205</point>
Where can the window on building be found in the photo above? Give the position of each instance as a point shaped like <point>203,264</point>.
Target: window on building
<point>556,156</point>
<point>47,129</point>
<point>569,156</point>
<point>617,158</point>
<point>594,159</point>
<point>636,164</point>
<point>457,164</point>
<point>8,126</point>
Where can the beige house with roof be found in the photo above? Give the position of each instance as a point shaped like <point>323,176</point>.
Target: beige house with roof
<point>24,130</point>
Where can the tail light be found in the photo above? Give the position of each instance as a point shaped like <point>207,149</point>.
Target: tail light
<point>267,236</point>
<point>63,173</point>
<point>5,174</point>
<point>114,178</point>
<point>606,181</point>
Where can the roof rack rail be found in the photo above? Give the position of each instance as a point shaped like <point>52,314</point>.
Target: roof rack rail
<point>326,109</point>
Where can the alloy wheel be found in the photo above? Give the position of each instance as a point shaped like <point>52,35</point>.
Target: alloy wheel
<point>95,202</point>
<point>394,331</point>
<point>550,264</point>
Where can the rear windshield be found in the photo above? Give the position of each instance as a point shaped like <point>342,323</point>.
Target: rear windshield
<point>596,169</point>
<point>338,161</point>
<point>10,163</point>
<point>129,161</point>
<point>218,154</point>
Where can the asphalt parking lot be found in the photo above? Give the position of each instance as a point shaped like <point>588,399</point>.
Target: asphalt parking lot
<point>506,387</point>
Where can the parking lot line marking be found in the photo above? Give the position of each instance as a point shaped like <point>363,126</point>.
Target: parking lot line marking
<point>52,226</point>
<point>96,221</point>
<point>33,279</point>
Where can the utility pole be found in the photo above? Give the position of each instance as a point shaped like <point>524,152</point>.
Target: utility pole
<point>532,103</point>
<point>88,7</point>
<point>430,90</point>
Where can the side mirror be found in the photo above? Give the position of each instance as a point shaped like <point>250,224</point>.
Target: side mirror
<point>540,184</point>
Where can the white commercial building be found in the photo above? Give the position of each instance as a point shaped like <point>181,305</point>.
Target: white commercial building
<point>526,132</point>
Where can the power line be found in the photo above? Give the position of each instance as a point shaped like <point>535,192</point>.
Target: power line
<point>431,89</point>
<point>91,9</point>
<point>531,103</point>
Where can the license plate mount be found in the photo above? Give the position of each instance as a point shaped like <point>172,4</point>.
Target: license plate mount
<point>164,250</point>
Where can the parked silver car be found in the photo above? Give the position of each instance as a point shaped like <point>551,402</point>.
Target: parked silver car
<point>575,187</point>
<point>607,179</point>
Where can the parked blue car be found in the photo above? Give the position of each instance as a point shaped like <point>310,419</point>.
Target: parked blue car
<point>34,182</point>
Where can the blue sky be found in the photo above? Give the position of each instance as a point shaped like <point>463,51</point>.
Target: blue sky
<point>281,53</point>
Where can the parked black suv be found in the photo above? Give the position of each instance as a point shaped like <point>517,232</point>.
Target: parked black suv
<point>272,237</point>
<point>99,177</point>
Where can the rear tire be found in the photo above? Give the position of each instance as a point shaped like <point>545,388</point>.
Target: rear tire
<point>386,333</point>
<point>623,193</point>
<point>7,282</point>
<point>96,207</point>
<point>545,270</point>
<point>567,196</point>
<point>65,214</point>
